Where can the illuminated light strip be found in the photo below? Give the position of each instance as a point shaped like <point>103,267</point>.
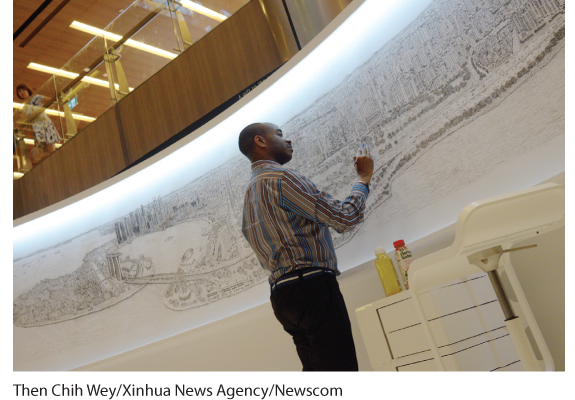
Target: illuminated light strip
<point>202,10</point>
<point>132,43</point>
<point>31,142</point>
<point>71,75</point>
<point>18,175</point>
<point>59,113</point>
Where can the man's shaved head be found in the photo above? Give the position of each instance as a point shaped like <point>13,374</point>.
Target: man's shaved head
<point>265,141</point>
<point>247,135</point>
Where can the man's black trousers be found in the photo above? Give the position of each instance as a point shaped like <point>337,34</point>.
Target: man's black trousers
<point>313,312</point>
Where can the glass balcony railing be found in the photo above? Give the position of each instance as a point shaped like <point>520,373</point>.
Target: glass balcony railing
<point>117,58</point>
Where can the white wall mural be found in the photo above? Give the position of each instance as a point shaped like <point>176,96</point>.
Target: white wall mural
<point>436,105</point>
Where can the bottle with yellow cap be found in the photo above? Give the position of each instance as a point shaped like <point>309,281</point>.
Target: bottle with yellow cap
<point>386,271</point>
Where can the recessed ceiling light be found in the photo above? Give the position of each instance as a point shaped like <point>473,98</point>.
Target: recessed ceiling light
<point>132,43</point>
<point>86,69</point>
<point>202,10</point>
<point>71,75</point>
<point>56,114</point>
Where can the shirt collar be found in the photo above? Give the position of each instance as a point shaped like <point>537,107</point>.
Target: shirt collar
<point>262,163</point>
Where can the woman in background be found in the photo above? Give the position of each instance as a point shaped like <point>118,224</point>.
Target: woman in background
<point>44,130</point>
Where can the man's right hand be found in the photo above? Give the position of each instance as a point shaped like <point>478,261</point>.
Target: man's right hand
<point>363,164</point>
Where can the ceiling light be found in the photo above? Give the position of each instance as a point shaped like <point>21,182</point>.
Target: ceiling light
<point>58,114</point>
<point>71,75</point>
<point>31,142</point>
<point>132,43</point>
<point>202,10</point>
<point>53,71</point>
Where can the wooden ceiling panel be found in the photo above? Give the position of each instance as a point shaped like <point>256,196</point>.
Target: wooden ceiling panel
<point>56,43</point>
<point>22,10</point>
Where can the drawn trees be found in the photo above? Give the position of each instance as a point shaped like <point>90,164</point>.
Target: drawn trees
<point>53,299</point>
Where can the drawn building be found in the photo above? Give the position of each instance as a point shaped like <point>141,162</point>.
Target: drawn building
<point>114,268</point>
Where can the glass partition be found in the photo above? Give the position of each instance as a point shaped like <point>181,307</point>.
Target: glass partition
<point>194,20</point>
<point>153,44</point>
<point>88,98</point>
<point>116,59</point>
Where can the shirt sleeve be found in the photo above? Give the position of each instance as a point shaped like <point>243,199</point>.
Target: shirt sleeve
<point>300,196</point>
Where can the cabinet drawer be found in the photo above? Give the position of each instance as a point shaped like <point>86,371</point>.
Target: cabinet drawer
<point>407,341</point>
<point>398,315</point>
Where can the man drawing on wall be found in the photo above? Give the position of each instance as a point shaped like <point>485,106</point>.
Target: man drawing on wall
<point>286,220</point>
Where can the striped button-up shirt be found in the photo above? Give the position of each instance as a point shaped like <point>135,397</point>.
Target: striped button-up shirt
<point>286,219</point>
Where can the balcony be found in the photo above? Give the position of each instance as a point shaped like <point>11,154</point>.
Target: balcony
<point>153,75</point>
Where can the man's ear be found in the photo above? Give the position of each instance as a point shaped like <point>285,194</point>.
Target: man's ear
<point>259,141</point>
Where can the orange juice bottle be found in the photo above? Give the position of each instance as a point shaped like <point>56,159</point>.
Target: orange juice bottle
<point>386,271</point>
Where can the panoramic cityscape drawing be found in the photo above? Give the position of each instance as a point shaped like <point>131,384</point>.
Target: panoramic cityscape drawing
<point>415,103</point>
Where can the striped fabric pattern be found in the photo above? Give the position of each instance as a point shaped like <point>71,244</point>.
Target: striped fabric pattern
<point>286,219</point>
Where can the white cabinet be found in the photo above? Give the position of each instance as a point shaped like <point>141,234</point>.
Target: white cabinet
<point>451,318</point>
<point>466,322</point>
